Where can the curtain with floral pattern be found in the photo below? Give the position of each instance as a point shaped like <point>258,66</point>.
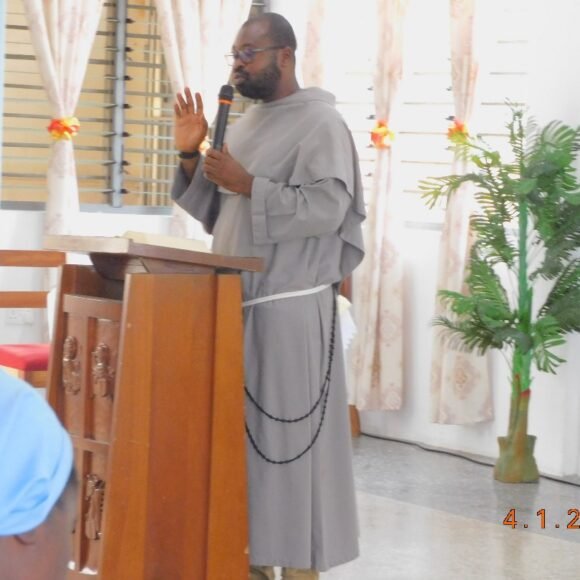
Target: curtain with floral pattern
<point>460,386</point>
<point>62,33</point>
<point>376,365</point>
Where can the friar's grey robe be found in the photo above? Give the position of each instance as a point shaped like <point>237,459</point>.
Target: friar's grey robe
<point>304,219</point>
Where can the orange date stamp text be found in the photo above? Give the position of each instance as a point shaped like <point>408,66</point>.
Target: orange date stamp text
<point>569,522</point>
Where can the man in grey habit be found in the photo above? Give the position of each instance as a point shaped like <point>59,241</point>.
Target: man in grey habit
<point>289,192</point>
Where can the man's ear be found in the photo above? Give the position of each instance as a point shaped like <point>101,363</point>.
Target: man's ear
<point>287,56</point>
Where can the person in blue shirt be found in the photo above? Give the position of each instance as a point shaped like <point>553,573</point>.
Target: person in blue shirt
<point>38,486</point>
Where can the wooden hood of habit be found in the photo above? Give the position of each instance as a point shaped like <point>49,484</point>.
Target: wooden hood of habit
<point>146,373</point>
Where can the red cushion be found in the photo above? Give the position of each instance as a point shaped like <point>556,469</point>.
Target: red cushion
<point>25,357</point>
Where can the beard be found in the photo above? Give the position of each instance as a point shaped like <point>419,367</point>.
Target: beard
<point>262,85</point>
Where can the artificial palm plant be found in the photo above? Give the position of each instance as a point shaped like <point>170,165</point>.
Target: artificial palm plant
<point>527,232</point>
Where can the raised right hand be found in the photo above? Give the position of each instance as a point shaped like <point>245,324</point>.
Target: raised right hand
<point>190,125</point>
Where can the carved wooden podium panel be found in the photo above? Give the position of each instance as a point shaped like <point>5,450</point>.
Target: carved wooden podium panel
<point>147,375</point>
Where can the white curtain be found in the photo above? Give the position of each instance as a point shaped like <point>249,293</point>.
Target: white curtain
<point>62,34</point>
<point>313,61</point>
<point>196,34</point>
<point>460,386</point>
<point>377,350</point>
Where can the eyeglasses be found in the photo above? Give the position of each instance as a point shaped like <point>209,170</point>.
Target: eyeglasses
<point>248,54</point>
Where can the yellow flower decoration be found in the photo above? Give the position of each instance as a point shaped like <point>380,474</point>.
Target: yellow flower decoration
<point>458,133</point>
<point>65,128</point>
<point>381,136</point>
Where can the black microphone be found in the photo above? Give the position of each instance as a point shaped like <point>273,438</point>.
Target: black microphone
<point>225,99</point>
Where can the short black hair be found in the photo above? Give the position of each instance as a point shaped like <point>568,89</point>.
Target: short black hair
<point>280,30</point>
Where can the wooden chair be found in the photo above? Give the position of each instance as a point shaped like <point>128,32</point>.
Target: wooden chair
<point>27,361</point>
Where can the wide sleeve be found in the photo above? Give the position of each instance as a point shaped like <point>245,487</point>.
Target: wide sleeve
<point>320,191</point>
<point>197,196</point>
<point>282,212</point>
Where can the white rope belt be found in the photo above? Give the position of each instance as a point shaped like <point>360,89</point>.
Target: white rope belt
<point>283,295</point>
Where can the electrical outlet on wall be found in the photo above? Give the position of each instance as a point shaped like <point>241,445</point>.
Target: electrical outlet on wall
<point>19,316</point>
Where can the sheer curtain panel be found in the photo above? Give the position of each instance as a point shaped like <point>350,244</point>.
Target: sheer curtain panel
<point>63,32</point>
<point>460,386</point>
<point>377,350</point>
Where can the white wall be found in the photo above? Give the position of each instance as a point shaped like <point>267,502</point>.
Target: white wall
<point>22,230</point>
<point>554,86</point>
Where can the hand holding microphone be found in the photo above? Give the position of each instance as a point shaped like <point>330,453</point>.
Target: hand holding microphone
<point>220,167</point>
<point>190,131</point>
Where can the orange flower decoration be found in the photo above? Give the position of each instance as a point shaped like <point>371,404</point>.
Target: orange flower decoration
<point>381,136</point>
<point>458,133</point>
<point>65,128</point>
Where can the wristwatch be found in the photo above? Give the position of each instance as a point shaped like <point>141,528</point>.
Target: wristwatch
<point>188,154</point>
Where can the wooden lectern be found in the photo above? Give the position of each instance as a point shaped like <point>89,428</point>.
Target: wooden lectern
<point>146,374</point>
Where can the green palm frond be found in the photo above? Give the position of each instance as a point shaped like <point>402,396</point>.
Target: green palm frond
<point>473,334</point>
<point>487,299</point>
<point>552,151</point>
<point>435,188</point>
<point>566,311</point>
<point>547,334</point>
<point>532,133</point>
<point>482,319</point>
<point>459,304</point>
<point>496,198</point>
<point>557,223</point>
<point>492,239</point>
<point>467,335</point>
<point>549,161</point>
<point>563,301</point>
<point>558,253</point>
<point>485,285</point>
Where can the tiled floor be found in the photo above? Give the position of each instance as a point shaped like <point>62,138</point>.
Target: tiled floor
<point>426,515</point>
